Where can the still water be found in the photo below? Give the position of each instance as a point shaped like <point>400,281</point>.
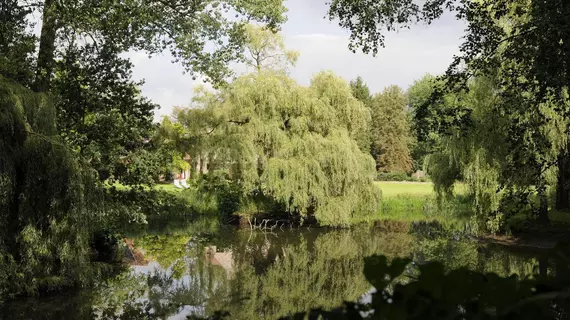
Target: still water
<point>261,275</point>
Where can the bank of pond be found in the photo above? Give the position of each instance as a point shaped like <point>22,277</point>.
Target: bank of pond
<point>206,270</point>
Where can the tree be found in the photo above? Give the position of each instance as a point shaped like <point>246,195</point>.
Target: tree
<point>391,137</point>
<point>293,147</point>
<point>479,155</point>
<point>265,49</point>
<point>101,113</point>
<point>419,94</point>
<point>181,26</point>
<point>195,135</point>
<point>16,45</point>
<point>361,92</point>
<point>356,117</point>
<point>48,199</point>
<point>81,91</point>
<point>525,41</point>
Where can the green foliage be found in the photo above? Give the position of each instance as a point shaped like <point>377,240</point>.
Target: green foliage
<point>393,176</point>
<point>391,137</point>
<point>229,197</point>
<point>287,147</point>
<point>49,199</point>
<point>266,49</point>
<point>367,23</point>
<point>361,92</point>
<point>85,120</point>
<point>16,46</point>
<point>419,94</point>
<point>523,46</point>
<point>127,206</point>
<point>182,27</point>
<point>102,115</point>
<point>106,245</point>
<point>478,153</point>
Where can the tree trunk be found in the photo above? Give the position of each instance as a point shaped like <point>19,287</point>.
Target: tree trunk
<point>563,185</point>
<point>46,53</point>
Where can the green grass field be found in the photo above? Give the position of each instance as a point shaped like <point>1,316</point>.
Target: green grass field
<point>389,188</point>
<point>396,188</point>
<point>167,187</point>
<point>415,201</point>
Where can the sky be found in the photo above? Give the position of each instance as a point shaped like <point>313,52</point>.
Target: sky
<point>323,45</point>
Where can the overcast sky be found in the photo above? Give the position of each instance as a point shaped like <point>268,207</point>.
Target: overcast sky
<point>408,55</point>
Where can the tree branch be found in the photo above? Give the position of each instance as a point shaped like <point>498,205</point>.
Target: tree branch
<point>239,122</point>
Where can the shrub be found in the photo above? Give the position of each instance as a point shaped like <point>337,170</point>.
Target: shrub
<point>393,176</point>
<point>519,223</point>
<point>106,243</point>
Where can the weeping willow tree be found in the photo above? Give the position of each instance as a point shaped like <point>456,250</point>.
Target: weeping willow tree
<point>45,213</point>
<point>295,147</point>
<point>479,154</point>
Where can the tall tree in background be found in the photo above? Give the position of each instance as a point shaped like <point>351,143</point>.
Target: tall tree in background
<point>361,92</point>
<point>265,49</point>
<point>391,137</point>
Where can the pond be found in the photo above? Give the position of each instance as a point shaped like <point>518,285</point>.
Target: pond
<point>262,275</point>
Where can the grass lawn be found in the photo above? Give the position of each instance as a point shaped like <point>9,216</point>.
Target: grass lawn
<point>412,201</point>
<point>389,188</point>
<point>167,187</point>
<point>397,188</point>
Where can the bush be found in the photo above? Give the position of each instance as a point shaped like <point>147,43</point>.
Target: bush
<point>393,176</point>
<point>125,207</point>
<point>519,223</point>
<point>107,245</point>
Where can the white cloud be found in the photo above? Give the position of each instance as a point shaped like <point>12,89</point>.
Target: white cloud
<point>406,57</point>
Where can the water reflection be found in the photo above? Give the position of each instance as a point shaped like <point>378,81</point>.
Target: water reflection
<point>254,275</point>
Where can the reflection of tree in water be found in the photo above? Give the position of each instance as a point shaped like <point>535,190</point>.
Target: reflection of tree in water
<point>316,269</point>
<point>456,249</point>
<point>271,275</point>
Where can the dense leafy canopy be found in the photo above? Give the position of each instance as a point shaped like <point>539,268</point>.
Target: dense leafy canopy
<point>188,29</point>
<point>101,113</point>
<point>292,145</point>
<point>419,94</point>
<point>391,138</point>
<point>361,92</point>
<point>16,44</point>
<point>265,49</point>
<point>47,199</point>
